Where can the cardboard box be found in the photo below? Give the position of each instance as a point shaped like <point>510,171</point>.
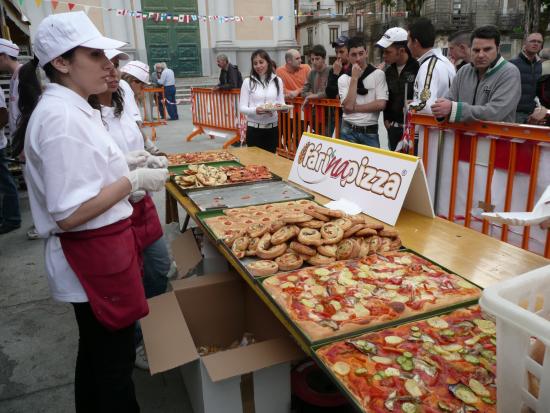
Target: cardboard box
<point>188,256</point>
<point>218,309</point>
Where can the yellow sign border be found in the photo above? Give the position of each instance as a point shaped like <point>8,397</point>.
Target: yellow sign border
<point>404,156</point>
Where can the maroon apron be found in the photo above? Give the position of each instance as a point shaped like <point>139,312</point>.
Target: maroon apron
<point>107,261</point>
<point>146,222</point>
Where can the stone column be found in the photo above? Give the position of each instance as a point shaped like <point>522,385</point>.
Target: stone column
<point>224,32</point>
<point>286,33</point>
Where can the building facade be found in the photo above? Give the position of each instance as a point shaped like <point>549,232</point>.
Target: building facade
<point>190,46</point>
<point>320,22</point>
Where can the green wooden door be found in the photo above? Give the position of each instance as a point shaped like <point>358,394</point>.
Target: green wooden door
<point>177,44</point>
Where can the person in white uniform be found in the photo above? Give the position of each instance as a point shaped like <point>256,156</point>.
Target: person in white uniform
<point>127,135</point>
<point>263,86</point>
<point>433,80</point>
<point>79,182</point>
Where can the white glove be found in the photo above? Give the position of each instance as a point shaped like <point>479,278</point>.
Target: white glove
<point>147,179</point>
<point>150,147</point>
<point>137,196</point>
<point>137,159</point>
<point>157,162</point>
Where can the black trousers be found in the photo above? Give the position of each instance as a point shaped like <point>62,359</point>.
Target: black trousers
<point>104,366</point>
<point>262,138</point>
<point>394,136</point>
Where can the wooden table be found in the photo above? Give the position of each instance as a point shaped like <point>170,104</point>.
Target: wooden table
<point>475,256</point>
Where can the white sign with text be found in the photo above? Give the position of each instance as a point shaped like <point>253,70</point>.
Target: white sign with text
<point>380,182</point>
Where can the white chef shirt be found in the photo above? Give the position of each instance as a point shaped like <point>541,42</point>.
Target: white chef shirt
<point>123,130</point>
<point>14,112</point>
<point>375,83</point>
<point>442,77</point>
<point>3,140</point>
<point>70,157</point>
<point>130,105</point>
<point>167,78</point>
<point>251,99</point>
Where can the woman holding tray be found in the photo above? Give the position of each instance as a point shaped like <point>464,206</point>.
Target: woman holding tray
<point>145,220</point>
<point>262,88</point>
<point>78,182</point>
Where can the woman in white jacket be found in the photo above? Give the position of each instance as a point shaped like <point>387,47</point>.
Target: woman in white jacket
<point>263,86</point>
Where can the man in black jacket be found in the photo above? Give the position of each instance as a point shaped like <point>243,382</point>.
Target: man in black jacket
<point>530,67</point>
<point>339,67</point>
<point>230,77</point>
<point>400,75</point>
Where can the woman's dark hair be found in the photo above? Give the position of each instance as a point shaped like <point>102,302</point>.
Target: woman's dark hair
<point>30,90</point>
<point>254,78</point>
<point>117,101</point>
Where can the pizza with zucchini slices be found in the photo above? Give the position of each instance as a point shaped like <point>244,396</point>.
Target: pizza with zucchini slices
<point>346,296</point>
<point>442,364</point>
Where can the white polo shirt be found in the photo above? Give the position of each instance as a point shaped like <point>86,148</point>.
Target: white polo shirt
<point>3,139</point>
<point>70,157</point>
<point>375,83</point>
<point>130,105</point>
<point>252,97</point>
<point>123,130</point>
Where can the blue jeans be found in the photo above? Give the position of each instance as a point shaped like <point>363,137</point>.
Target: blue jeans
<point>170,95</point>
<point>348,134</point>
<point>156,264</point>
<point>9,200</point>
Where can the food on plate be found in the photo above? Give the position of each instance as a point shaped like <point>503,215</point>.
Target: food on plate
<point>262,268</point>
<point>197,176</point>
<point>199,157</point>
<point>275,106</point>
<point>345,296</point>
<point>442,364</point>
<point>288,223</point>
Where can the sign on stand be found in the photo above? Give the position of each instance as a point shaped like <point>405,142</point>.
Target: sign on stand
<point>380,182</point>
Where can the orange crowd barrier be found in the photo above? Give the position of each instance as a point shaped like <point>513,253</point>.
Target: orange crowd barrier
<point>320,116</point>
<point>153,118</point>
<point>501,166</point>
<point>214,109</point>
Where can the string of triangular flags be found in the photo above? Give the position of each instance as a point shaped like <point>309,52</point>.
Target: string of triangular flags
<point>189,18</point>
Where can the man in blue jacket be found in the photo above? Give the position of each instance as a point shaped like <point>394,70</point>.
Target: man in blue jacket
<point>530,66</point>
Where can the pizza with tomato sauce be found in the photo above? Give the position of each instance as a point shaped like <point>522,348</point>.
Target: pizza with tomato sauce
<point>442,364</point>
<point>346,296</point>
<point>199,157</point>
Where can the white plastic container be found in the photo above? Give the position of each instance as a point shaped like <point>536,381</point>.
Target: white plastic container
<point>521,306</point>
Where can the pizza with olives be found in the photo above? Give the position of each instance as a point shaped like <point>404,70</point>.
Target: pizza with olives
<point>347,296</point>
<point>442,364</point>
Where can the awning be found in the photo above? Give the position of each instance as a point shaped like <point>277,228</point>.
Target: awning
<point>15,15</point>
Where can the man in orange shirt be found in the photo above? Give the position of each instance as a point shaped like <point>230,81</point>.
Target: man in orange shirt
<point>293,73</point>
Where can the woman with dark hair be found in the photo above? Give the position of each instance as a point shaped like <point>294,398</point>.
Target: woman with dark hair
<point>261,88</point>
<point>78,182</point>
<point>126,133</point>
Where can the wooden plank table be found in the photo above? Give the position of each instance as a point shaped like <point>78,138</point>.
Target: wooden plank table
<point>475,256</point>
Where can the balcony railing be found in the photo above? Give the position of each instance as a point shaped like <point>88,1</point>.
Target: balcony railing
<point>449,22</point>
<point>510,21</point>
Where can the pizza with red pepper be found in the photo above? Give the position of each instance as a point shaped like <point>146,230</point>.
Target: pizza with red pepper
<point>347,296</point>
<point>442,364</point>
<point>199,157</point>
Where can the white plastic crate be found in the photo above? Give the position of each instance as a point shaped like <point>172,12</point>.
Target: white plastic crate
<point>521,306</point>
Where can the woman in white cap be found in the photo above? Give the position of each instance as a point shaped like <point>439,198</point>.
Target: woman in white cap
<point>79,182</point>
<point>127,135</point>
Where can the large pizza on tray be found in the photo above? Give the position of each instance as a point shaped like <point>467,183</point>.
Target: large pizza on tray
<point>199,157</point>
<point>346,296</point>
<point>442,364</point>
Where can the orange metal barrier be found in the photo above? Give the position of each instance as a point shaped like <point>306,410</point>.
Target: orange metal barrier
<point>215,109</point>
<point>516,168</point>
<point>321,116</point>
<point>157,96</point>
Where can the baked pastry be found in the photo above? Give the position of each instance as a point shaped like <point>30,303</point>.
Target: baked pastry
<point>310,236</point>
<point>262,267</point>
<point>302,249</point>
<point>331,233</point>
<point>289,261</point>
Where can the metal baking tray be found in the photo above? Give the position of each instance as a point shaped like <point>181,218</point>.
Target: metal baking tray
<point>246,194</point>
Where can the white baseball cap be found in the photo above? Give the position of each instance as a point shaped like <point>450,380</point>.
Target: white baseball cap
<point>137,69</point>
<point>112,53</point>
<point>9,48</point>
<point>59,33</point>
<point>395,34</point>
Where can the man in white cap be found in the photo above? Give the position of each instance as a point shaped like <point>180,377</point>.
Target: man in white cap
<point>10,215</point>
<point>401,72</point>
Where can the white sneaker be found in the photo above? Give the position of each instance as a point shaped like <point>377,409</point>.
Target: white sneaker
<point>141,358</point>
<point>173,271</point>
<point>32,234</point>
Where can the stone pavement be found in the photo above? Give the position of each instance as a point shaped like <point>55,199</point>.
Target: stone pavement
<point>38,336</point>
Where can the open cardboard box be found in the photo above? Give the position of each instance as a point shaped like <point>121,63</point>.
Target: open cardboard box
<point>218,309</point>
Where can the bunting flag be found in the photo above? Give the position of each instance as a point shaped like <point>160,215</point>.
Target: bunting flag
<point>158,16</point>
